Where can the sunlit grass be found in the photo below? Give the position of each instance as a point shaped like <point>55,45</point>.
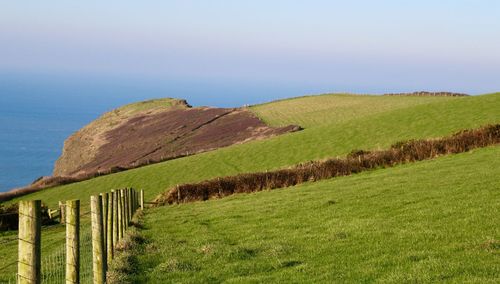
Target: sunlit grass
<point>375,131</point>
<point>332,137</point>
<point>424,222</point>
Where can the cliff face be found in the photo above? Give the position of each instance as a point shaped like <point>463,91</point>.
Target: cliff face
<point>154,131</point>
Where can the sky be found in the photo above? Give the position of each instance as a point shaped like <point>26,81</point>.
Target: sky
<point>63,63</point>
<point>265,47</point>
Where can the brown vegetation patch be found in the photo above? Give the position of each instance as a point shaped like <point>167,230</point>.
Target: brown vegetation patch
<point>402,152</point>
<point>153,138</point>
<point>491,245</point>
<point>82,147</point>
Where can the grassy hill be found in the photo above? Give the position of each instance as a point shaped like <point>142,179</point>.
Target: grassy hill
<point>327,109</point>
<point>342,123</point>
<point>425,117</point>
<point>424,222</point>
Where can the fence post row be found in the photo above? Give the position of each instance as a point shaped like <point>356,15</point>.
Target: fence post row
<point>111,214</point>
<point>29,254</point>
<point>72,241</point>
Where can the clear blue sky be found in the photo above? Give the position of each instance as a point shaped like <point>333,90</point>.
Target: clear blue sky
<point>359,46</point>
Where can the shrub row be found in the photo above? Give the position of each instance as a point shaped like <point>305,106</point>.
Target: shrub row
<point>356,161</point>
<point>429,94</point>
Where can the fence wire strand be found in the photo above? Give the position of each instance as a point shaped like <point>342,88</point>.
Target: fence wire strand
<point>86,255</point>
<point>8,277</point>
<point>53,265</point>
<point>53,261</point>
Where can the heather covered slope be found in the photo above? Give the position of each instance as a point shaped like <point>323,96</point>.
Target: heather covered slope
<point>435,118</point>
<point>82,147</point>
<point>155,131</point>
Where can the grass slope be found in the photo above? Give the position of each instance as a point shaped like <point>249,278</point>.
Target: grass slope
<point>424,222</point>
<point>371,131</point>
<point>329,137</point>
<point>314,111</point>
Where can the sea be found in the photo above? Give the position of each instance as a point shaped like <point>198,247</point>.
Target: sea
<point>38,112</point>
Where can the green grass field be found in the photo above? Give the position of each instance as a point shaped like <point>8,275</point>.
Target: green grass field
<point>432,118</point>
<point>342,123</point>
<point>424,222</point>
<point>314,111</point>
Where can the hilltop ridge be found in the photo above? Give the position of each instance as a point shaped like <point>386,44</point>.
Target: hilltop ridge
<point>154,131</point>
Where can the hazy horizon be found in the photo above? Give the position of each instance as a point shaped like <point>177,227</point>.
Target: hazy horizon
<point>63,63</point>
<point>313,46</point>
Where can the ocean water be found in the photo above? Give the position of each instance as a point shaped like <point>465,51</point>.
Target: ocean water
<point>37,113</point>
<point>30,142</point>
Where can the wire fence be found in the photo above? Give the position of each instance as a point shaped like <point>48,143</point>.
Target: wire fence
<point>53,265</point>
<point>6,274</point>
<point>8,268</point>
<point>92,247</point>
<point>86,256</point>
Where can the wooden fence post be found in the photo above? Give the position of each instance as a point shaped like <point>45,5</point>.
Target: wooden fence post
<point>109,241</point>
<point>105,223</point>
<point>62,210</point>
<point>30,227</point>
<point>98,260</point>
<point>130,206</point>
<point>142,199</point>
<point>125,210</point>
<point>127,205</point>
<point>118,218</point>
<point>122,213</point>
<point>72,241</point>
<point>131,202</point>
<point>134,199</point>
<point>137,200</point>
<point>115,219</point>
